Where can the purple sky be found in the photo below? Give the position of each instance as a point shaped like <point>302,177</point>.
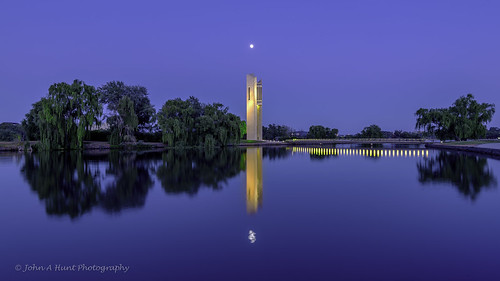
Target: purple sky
<point>342,64</point>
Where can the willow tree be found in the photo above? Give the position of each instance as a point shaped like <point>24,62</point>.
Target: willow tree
<point>471,117</point>
<point>177,118</point>
<point>125,123</point>
<point>465,119</point>
<point>66,115</point>
<point>191,123</point>
<point>243,129</point>
<point>220,127</point>
<point>31,122</point>
<point>112,94</point>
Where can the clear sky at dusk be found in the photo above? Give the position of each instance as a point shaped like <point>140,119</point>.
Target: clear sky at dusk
<point>342,64</point>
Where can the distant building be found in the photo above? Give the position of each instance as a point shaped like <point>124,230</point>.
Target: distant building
<point>254,108</point>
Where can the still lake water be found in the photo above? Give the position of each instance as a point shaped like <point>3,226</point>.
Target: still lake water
<point>344,213</point>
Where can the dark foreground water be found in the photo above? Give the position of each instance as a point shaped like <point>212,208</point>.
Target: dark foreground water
<point>251,214</point>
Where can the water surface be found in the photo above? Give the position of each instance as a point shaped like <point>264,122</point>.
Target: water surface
<point>315,213</point>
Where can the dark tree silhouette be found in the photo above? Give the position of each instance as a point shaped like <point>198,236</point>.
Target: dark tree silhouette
<point>468,173</point>
<point>187,170</point>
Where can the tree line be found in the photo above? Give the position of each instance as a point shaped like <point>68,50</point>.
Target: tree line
<point>283,132</point>
<point>464,119</point>
<point>70,113</point>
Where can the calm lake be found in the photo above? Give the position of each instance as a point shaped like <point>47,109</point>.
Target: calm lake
<point>295,213</point>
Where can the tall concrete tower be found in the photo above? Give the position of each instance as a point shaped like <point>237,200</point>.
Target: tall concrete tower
<point>254,108</point>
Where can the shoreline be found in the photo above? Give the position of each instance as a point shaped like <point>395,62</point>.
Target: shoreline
<point>104,146</point>
<point>467,148</point>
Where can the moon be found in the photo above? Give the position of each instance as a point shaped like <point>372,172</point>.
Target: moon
<point>251,46</point>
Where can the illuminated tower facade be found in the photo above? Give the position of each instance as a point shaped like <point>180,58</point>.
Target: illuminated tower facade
<point>254,108</point>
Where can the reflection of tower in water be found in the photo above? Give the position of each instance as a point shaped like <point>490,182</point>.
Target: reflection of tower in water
<point>254,179</point>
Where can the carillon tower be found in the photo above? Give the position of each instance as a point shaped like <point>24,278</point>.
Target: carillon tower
<point>254,108</point>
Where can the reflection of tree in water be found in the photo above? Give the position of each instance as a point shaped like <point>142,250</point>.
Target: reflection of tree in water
<point>468,173</point>
<point>315,157</point>
<point>131,183</point>
<point>70,182</point>
<point>274,153</point>
<point>185,171</point>
<point>64,181</point>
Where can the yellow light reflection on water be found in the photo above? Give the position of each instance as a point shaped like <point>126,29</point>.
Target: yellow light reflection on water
<point>254,179</point>
<point>323,151</point>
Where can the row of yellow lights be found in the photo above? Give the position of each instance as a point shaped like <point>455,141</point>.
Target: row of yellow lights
<point>363,152</point>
